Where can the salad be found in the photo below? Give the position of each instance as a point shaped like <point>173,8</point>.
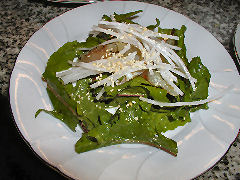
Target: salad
<point>126,84</point>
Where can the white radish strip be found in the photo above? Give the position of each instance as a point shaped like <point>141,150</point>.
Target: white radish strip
<point>159,67</point>
<point>69,71</point>
<point>65,72</point>
<point>146,46</point>
<point>114,24</point>
<point>84,49</point>
<point>76,76</point>
<point>100,94</point>
<point>173,47</point>
<point>190,78</point>
<point>106,31</point>
<point>157,80</point>
<point>178,60</point>
<point>132,75</point>
<point>123,39</point>
<point>178,73</point>
<point>150,71</point>
<point>139,28</point>
<point>111,79</point>
<point>170,76</point>
<point>132,40</point>
<point>102,82</point>
<point>166,36</point>
<point>153,52</point>
<point>170,83</point>
<point>92,67</point>
<point>165,55</point>
<point>156,57</point>
<point>193,103</point>
<point>74,64</point>
<point>109,41</point>
<point>131,56</point>
<point>90,64</point>
<point>150,33</point>
<point>125,49</point>
<point>176,89</point>
<point>82,74</point>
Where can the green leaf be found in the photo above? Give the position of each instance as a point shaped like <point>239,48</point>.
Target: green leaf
<point>61,101</point>
<point>157,93</point>
<point>91,42</point>
<point>106,18</point>
<point>137,81</point>
<point>133,91</point>
<point>180,43</point>
<point>60,94</point>
<point>124,132</point>
<point>152,27</point>
<point>87,106</point>
<point>53,113</point>
<point>66,117</point>
<point>128,129</point>
<point>126,18</point>
<point>162,122</point>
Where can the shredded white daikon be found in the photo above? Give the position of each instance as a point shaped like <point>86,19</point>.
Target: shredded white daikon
<point>142,50</point>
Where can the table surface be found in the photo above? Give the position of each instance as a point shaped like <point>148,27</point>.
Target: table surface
<point>19,19</point>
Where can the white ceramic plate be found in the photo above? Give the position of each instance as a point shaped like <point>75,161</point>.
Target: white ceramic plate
<point>201,143</point>
<point>237,42</point>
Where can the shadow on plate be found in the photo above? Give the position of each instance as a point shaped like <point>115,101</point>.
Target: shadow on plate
<point>46,3</point>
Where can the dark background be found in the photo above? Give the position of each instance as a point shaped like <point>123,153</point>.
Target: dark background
<point>17,160</point>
